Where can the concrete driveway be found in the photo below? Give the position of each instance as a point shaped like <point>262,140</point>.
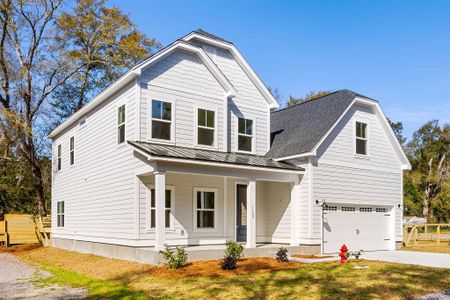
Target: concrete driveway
<point>436,260</point>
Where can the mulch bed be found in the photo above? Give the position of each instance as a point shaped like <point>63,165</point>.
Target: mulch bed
<point>312,256</point>
<point>211,268</point>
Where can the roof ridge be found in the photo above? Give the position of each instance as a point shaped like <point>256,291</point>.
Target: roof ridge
<point>310,100</point>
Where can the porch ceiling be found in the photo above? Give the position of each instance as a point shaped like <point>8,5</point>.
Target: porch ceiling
<point>232,158</point>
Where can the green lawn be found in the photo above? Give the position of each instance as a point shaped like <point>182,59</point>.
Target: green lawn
<point>115,279</point>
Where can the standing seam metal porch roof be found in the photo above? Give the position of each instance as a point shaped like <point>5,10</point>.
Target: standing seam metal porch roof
<point>232,158</point>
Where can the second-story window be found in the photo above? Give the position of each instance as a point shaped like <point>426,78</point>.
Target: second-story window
<point>59,157</point>
<point>161,120</point>
<point>245,135</point>
<point>121,124</point>
<point>205,127</point>
<point>72,150</point>
<point>361,138</point>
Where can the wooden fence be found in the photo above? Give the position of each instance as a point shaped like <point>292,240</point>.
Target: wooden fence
<point>431,233</point>
<point>24,229</point>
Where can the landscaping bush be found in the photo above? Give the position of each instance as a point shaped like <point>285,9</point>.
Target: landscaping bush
<point>234,250</point>
<point>282,254</point>
<point>228,262</point>
<point>175,258</point>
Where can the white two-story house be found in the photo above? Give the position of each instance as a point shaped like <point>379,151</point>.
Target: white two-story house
<point>190,148</point>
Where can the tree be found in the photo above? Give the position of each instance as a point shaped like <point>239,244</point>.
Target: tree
<point>309,96</point>
<point>105,42</point>
<point>428,152</point>
<point>397,127</point>
<point>31,68</point>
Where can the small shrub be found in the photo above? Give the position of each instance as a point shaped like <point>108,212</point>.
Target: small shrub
<point>228,263</point>
<point>234,250</point>
<point>282,254</point>
<point>175,258</point>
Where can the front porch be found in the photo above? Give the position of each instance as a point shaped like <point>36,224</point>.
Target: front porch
<point>204,205</point>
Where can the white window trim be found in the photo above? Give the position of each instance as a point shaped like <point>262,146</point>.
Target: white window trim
<point>358,155</point>
<point>70,151</point>
<point>172,122</point>
<point>252,136</point>
<point>124,123</point>
<point>216,205</point>
<point>58,157</point>
<point>60,214</point>
<point>148,207</point>
<point>196,126</point>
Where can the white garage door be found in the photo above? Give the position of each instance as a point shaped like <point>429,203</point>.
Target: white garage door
<point>359,227</point>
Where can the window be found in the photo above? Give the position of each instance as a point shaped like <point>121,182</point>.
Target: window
<point>205,127</point>
<point>330,208</point>
<point>168,208</point>
<point>361,138</point>
<point>121,124</point>
<point>245,134</point>
<point>60,214</point>
<point>161,120</point>
<point>205,204</point>
<point>365,209</point>
<point>381,210</point>
<point>59,157</point>
<point>72,150</point>
<point>348,208</point>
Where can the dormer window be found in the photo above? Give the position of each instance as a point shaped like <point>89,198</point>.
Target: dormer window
<point>205,127</point>
<point>245,135</point>
<point>361,138</point>
<point>161,120</point>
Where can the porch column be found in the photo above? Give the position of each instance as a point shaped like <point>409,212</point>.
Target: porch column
<point>251,214</point>
<point>160,195</point>
<point>295,207</point>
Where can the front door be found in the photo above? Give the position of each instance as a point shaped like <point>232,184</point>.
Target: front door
<point>241,213</point>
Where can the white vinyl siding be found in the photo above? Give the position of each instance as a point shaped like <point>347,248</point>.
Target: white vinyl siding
<point>99,193</point>
<point>342,177</point>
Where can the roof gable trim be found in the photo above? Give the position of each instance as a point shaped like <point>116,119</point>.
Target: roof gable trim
<point>273,103</point>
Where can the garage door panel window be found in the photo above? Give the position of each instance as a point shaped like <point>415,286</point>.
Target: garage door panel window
<point>348,208</point>
<point>365,209</point>
<point>381,210</point>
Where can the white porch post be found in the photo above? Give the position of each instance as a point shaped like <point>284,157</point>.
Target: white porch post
<point>251,214</point>
<point>295,207</point>
<point>160,195</point>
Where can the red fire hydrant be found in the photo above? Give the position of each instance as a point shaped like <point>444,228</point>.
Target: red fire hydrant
<point>343,253</point>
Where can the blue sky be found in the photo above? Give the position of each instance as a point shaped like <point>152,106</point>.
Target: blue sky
<point>395,51</point>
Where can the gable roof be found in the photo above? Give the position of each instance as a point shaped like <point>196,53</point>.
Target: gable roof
<point>298,129</point>
<point>214,40</point>
<point>192,155</point>
<point>133,73</point>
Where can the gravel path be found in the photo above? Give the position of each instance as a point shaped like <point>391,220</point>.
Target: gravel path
<point>19,280</point>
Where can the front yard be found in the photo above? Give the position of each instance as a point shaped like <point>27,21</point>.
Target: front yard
<point>429,246</point>
<point>258,279</point>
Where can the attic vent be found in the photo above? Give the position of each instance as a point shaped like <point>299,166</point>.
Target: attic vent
<point>210,50</point>
<point>82,121</point>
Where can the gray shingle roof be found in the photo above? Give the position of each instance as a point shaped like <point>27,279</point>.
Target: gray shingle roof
<point>297,129</point>
<point>210,35</point>
<point>159,150</point>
